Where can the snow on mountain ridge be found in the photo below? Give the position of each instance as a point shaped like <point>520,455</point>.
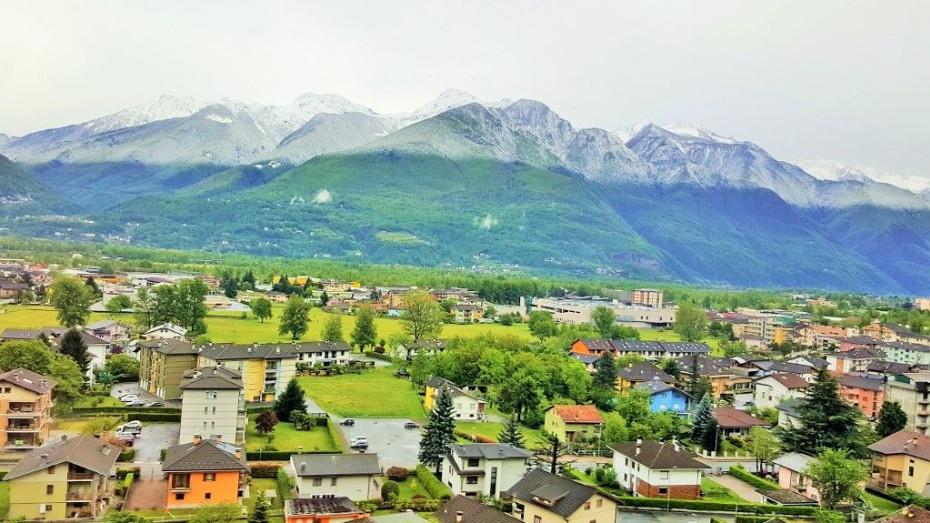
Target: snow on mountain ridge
<point>831,170</point>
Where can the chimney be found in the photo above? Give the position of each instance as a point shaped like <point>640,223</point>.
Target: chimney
<point>64,437</point>
<point>196,439</point>
<point>458,517</point>
<point>238,453</point>
<point>105,449</point>
<point>303,467</point>
<point>277,350</point>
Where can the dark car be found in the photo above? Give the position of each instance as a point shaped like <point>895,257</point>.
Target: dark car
<point>411,425</point>
<point>347,422</point>
<point>156,404</point>
<point>402,373</point>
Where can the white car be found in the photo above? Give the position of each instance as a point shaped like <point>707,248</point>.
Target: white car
<point>359,442</point>
<point>134,424</point>
<point>128,397</point>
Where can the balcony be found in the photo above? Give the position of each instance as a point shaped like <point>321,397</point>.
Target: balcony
<point>80,476</point>
<point>24,414</point>
<point>32,427</point>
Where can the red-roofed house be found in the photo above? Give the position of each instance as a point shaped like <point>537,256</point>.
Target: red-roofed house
<point>574,422</point>
<point>733,422</point>
<point>774,389</point>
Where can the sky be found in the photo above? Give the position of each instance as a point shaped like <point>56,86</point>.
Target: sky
<point>845,80</point>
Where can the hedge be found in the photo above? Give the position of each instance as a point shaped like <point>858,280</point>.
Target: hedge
<point>432,484</point>
<point>718,506</point>
<point>334,432</point>
<point>382,357</point>
<point>163,417</point>
<point>279,455</point>
<point>126,455</point>
<point>123,410</point>
<point>743,474</point>
<point>3,474</point>
<point>477,438</point>
<point>264,470</point>
<point>122,472</point>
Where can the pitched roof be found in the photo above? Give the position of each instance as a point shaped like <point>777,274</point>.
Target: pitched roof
<point>596,345</point>
<point>815,361</point>
<point>436,383</point>
<point>167,326</point>
<point>578,413</point>
<point>789,381</point>
<point>656,386</point>
<point>730,418</point>
<point>308,465</point>
<point>262,351</point>
<point>207,455</point>
<point>538,484</point>
<point>793,461</point>
<point>211,378</point>
<point>169,346</point>
<point>855,381</point>
<point>786,497</point>
<point>88,452</point>
<point>790,368</point>
<point>659,455</point>
<point>644,371</point>
<point>890,367</point>
<point>320,506</point>
<point>707,365</point>
<point>790,406</point>
<point>906,442</point>
<point>859,353</point>
<point>490,451</point>
<point>473,511</point>
<point>20,334</point>
<point>908,514</point>
<point>29,380</point>
<point>103,324</point>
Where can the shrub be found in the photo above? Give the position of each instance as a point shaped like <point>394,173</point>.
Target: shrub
<point>126,455</point>
<point>718,506</point>
<point>163,453</point>
<point>432,484</point>
<point>121,473</point>
<point>397,474</point>
<point>390,490</point>
<point>284,486</point>
<point>744,475</point>
<point>264,470</point>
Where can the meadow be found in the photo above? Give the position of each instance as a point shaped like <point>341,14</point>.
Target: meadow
<point>374,393</point>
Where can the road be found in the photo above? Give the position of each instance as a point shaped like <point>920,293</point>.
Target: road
<point>155,436</point>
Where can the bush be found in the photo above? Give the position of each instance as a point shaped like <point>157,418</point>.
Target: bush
<point>126,455</point>
<point>124,410</point>
<point>534,419</point>
<point>122,472</point>
<point>477,438</point>
<point>432,484</point>
<point>390,490</point>
<point>718,506</point>
<point>744,475</point>
<point>163,417</point>
<point>397,474</point>
<point>418,505</point>
<point>163,453</point>
<point>285,485</point>
<point>264,470</point>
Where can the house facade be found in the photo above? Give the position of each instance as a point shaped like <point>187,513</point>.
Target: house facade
<point>483,468</point>
<point>912,391</point>
<point>791,474</point>
<point>323,353</point>
<point>265,368</point>
<point>212,405</point>
<point>25,409</point>
<point>571,423</point>
<point>165,331</point>
<point>864,392</point>
<point>774,389</point>
<point>542,497</point>
<point>901,460</point>
<point>204,472</point>
<point>658,469</point>
<point>162,365</point>
<point>465,405</point>
<point>348,475</point>
<point>666,398</point>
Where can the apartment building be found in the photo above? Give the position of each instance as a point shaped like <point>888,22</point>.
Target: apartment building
<point>483,468</point>
<point>647,297</point>
<point>25,409</point>
<point>162,365</point>
<point>213,405</point>
<point>912,391</point>
<point>265,368</point>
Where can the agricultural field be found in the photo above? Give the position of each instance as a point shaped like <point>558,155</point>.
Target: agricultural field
<point>375,393</point>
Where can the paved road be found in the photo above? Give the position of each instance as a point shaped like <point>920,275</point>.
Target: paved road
<point>155,436</point>
<point>394,444</point>
<point>739,487</point>
<point>133,388</point>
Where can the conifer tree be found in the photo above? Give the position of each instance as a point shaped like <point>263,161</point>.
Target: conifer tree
<point>291,400</point>
<point>605,376</point>
<point>710,438</point>
<point>891,419</point>
<point>260,511</point>
<point>826,421</point>
<point>703,415</point>
<point>440,431</point>
<point>511,434</point>
<point>73,346</point>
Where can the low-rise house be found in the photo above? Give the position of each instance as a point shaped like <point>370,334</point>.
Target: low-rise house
<point>788,414</point>
<point>466,406</point>
<point>110,331</point>
<point>204,472</point>
<point>641,372</point>
<point>462,509</point>
<point>350,475</point>
<point>336,509</point>
<point>658,469</point>
<point>890,368</point>
<point>774,389</point>
<point>665,398</point>
<point>25,409</point>
<point>483,468</point>
<point>424,346</point>
<point>726,378</point>
<point>901,460</point>
<point>63,480</point>
<point>162,364</point>
<point>213,405</point>
<point>574,423</point>
<point>813,362</point>
<point>864,392</point>
<point>323,353</point>
<point>732,422</point>
<point>590,362</point>
<point>165,331</point>
<point>791,475</point>
<point>10,289</point>
<point>651,350</point>
<point>467,313</point>
<point>542,497</point>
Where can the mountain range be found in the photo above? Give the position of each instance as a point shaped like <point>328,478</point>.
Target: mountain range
<point>500,186</point>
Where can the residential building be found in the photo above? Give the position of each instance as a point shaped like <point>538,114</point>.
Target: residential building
<point>651,350</point>
<point>63,480</point>
<point>890,332</point>
<point>110,331</point>
<point>922,304</point>
<point>853,360</point>
<point>467,313</point>
<point>726,377</point>
<point>912,391</point>
<point>465,405</point>
<point>733,422</point>
<point>901,460</point>
<point>162,364</point>
<point>204,472</point>
<point>656,469</point>
<point>772,390</point>
<point>864,392</point>
<point>337,509</point>
<point>213,405</point>
<point>791,474</point>
<point>641,372</point>
<point>814,362</point>
<point>168,331</point>
<point>350,475</point>
<point>323,353</point>
<point>640,317</point>
<point>647,297</point>
<point>890,368</point>
<point>788,414</point>
<point>25,409</point>
<point>462,509</point>
<point>542,497</point>
<point>574,423</point>
<point>266,368</point>
<point>906,352</point>
<point>483,468</point>
<point>665,398</point>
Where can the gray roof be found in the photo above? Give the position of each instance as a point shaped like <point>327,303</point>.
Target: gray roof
<point>644,371</point>
<point>20,334</point>
<point>320,506</point>
<point>88,452</point>
<point>790,406</point>
<point>454,390</point>
<point>793,461</point>
<point>490,451</point>
<point>862,382</point>
<point>786,497</point>
<point>208,455</point>
<point>659,455</point>
<point>263,351</point>
<point>321,346</point>
<point>309,465</point>
<point>211,378</point>
<point>472,511</point>
<point>169,346</point>
<point>536,481</point>
<point>656,386</point>
<point>29,380</point>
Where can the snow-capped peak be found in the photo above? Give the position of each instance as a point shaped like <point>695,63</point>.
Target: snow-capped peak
<point>627,133</point>
<point>163,108</point>
<point>448,99</point>
<point>329,103</point>
<point>693,131</point>
<point>826,169</point>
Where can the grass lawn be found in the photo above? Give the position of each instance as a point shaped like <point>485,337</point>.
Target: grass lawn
<point>261,485</point>
<point>491,429</point>
<point>78,424</point>
<point>716,492</point>
<point>4,499</point>
<point>374,393</point>
<point>286,438</point>
<point>410,487</point>
<point>881,505</point>
<point>98,401</point>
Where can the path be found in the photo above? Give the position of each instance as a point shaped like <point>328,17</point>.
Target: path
<point>739,487</point>
<point>147,494</point>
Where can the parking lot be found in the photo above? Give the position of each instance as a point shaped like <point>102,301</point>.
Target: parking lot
<point>155,436</point>
<point>133,388</point>
<point>388,438</point>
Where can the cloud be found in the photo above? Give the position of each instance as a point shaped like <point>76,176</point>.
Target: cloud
<point>323,196</point>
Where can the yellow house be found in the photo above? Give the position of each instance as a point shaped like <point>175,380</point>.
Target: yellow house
<point>265,368</point>
<point>901,460</point>
<point>162,364</point>
<point>574,422</point>
<point>543,497</point>
<point>25,409</point>
<point>64,480</point>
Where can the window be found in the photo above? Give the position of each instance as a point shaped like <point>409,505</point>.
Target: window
<point>587,505</point>
<point>209,476</point>
<point>663,474</point>
<point>207,495</point>
<point>211,394</point>
<point>472,462</point>
<point>6,390</point>
<point>49,489</point>
<point>663,491</point>
<point>206,409</point>
<point>51,470</point>
<point>471,480</point>
<point>181,481</point>
<point>179,496</point>
<point>537,519</point>
<point>910,471</point>
<point>599,503</point>
<point>317,482</point>
<point>332,482</point>
<point>214,410</point>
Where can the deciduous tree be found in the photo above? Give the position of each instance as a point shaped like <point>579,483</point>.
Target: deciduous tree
<point>604,318</point>
<point>261,308</point>
<point>690,322</point>
<point>265,422</point>
<point>422,317</point>
<point>72,299</point>
<point>296,317</point>
<point>891,419</point>
<point>364,333</point>
<point>542,325</point>
<point>332,328</point>
<point>118,303</point>
<point>836,475</point>
<point>763,445</point>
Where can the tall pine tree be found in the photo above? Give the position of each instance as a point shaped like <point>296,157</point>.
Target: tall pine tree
<point>440,431</point>
<point>291,400</point>
<point>703,416</point>
<point>73,346</point>
<point>710,438</point>
<point>511,434</point>
<point>260,511</point>
<point>605,376</point>
<point>826,421</point>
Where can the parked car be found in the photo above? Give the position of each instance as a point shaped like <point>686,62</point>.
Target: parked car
<point>157,404</point>
<point>128,397</point>
<point>133,424</point>
<point>402,373</point>
<point>359,442</point>
<point>128,439</point>
<point>135,403</point>
<point>411,425</point>
<point>348,422</point>
<point>126,430</point>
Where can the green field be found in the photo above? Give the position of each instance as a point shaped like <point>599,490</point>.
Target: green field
<point>714,491</point>
<point>260,485</point>
<point>410,487</point>
<point>98,401</point>
<point>375,393</point>
<point>881,505</point>
<point>491,429</point>
<point>287,438</point>
<point>79,424</point>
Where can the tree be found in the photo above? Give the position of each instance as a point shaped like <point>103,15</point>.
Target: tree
<point>290,401</point>
<point>332,328</point>
<point>191,306</point>
<point>763,445</point>
<point>670,366</point>
<point>690,322</point>
<point>72,299</point>
<point>39,358</point>
<point>222,513</point>
<point>511,434</point>
<point>364,333</point>
<point>73,346</point>
<point>703,388</point>
<point>261,308</point>
<point>604,318</point>
<point>605,375</point>
<point>710,438</point>
<point>94,289</point>
<point>229,285</point>
<point>144,307</point>
<point>260,510</point>
<point>123,368</point>
<point>295,318</point>
<point>826,421</point>
<point>440,431</point>
<point>733,348</point>
<point>703,415</point>
<point>422,319</point>
<point>891,419</point>
<point>265,422</point>
<point>542,325</point>
<point>324,299</point>
<point>118,303</point>
<point>520,393</point>
<point>836,475</point>
<point>615,429</point>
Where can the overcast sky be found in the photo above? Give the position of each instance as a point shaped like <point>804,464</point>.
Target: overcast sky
<point>845,80</point>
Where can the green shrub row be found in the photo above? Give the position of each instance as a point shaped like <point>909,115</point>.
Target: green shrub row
<point>264,470</point>
<point>122,472</point>
<point>162,417</point>
<point>744,475</point>
<point>377,356</point>
<point>334,433</point>
<point>477,438</point>
<point>432,484</point>
<point>279,455</point>
<point>122,410</point>
<point>417,505</point>
<point>126,456</point>
<point>719,506</point>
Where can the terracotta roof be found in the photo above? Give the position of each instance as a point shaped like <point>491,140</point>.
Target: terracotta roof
<point>473,511</point>
<point>84,451</point>
<point>790,381</point>
<point>659,455</point>
<point>29,380</point>
<point>578,413</point>
<point>730,418</point>
<point>906,442</point>
<point>208,455</point>
<point>908,514</point>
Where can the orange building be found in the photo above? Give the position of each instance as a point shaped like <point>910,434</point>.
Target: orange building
<point>866,393</point>
<point>204,472</point>
<point>25,409</point>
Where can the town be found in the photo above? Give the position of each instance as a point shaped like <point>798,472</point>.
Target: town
<point>162,394</point>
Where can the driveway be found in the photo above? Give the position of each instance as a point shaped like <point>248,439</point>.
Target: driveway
<point>147,494</point>
<point>644,516</point>
<point>394,444</point>
<point>739,487</point>
<point>155,436</point>
<point>133,388</point>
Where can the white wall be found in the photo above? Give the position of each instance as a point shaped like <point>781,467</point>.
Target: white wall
<point>197,410</point>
